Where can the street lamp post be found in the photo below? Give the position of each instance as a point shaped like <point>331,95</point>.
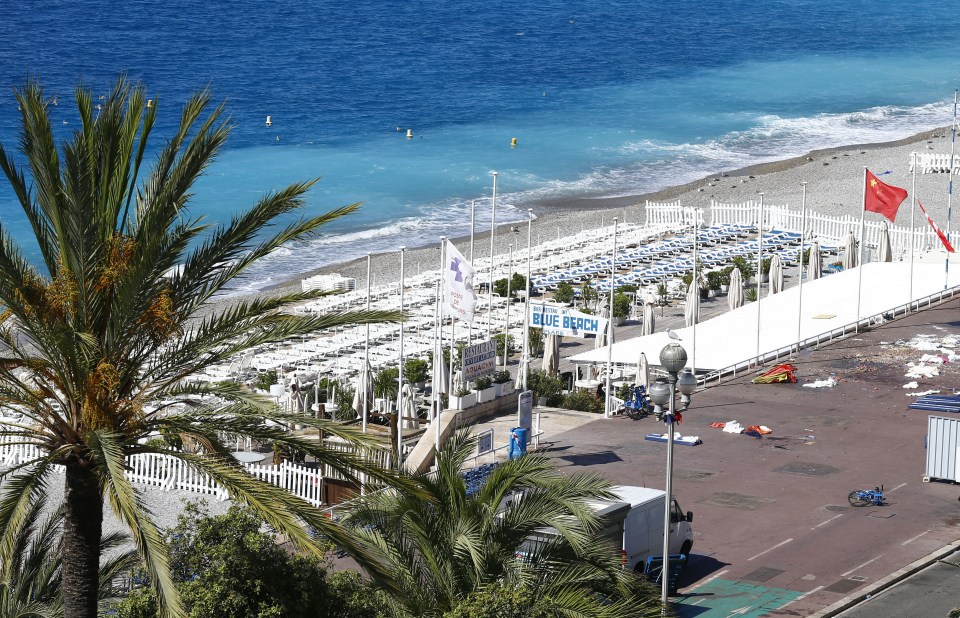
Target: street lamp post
<point>663,392</point>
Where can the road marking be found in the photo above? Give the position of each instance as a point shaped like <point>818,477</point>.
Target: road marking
<point>908,541</point>
<point>826,522</point>
<point>897,487</point>
<point>708,580</point>
<point>805,594</point>
<point>740,611</point>
<point>861,566</point>
<point>769,550</point>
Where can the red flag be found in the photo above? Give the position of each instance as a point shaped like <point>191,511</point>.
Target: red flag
<point>882,198</point>
<point>943,237</point>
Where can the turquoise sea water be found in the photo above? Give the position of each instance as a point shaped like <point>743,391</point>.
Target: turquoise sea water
<point>604,97</point>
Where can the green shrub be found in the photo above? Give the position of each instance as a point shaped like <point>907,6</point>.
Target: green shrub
<point>583,401</point>
<point>543,384</point>
<point>483,382</point>
<point>744,265</point>
<point>621,305</point>
<point>500,339</point>
<point>266,379</point>
<point>564,293</point>
<point>628,287</point>
<point>416,370</point>
<point>750,294</point>
<point>501,377</point>
<point>386,383</point>
<point>535,341</point>
<point>713,280</point>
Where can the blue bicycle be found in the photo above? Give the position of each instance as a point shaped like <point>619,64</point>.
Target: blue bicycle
<point>638,405</point>
<point>866,497</point>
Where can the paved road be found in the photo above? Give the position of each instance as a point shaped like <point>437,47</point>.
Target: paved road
<point>775,535</point>
<point>930,593</point>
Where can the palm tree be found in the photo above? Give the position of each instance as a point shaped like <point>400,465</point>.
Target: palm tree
<point>458,541</point>
<point>30,566</point>
<point>108,326</point>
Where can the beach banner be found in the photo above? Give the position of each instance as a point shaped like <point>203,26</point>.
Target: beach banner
<point>565,321</point>
<point>459,297</point>
<point>479,359</point>
<point>936,228</point>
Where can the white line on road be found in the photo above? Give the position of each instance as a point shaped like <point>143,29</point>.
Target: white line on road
<point>708,580</point>
<point>908,541</point>
<point>824,523</point>
<point>856,568</point>
<point>769,550</point>
<point>802,596</point>
<point>897,487</point>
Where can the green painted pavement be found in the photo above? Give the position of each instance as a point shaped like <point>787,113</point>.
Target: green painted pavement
<point>727,599</point>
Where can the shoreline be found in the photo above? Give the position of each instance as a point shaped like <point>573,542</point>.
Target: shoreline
<point>834,168</point>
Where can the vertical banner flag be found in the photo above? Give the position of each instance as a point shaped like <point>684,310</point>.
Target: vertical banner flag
<point>943,237</point>
<point>882,198</point>
<point>459,297</point>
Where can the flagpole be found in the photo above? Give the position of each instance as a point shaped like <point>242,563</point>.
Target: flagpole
<point>366,354</point>
<point>493,233</point>
<point>913,204</point>
<point>759,271</point>
<point>696,282</point>
<point>613,286</point>
<point>803,234</point>
<point>473,226</point>
<point>506,333</point>
<point>439,347</point>
<point>953,139</point>
<point>400,377</point>
<point>525,369</point>
<point>863,212</point>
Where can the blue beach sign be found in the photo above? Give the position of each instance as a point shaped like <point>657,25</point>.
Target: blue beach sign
<point>566,322</point>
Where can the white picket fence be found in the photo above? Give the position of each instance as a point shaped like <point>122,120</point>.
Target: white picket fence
<point>672,214</point>
<point>933,163</point>
<point>829,229</point>
<point>172,474</point>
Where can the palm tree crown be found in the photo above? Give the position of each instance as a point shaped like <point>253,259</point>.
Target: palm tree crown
<point>105,327</point>
<point>440,550</point>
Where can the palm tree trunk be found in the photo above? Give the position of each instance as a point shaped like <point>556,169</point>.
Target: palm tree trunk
<point>83,522</point>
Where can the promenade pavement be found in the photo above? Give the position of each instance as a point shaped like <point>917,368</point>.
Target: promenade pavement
<point>775,535</point>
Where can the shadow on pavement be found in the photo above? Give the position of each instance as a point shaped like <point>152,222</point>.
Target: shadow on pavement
<point>592,459</point>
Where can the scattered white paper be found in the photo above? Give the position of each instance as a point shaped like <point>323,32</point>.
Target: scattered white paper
<point>922,393</point>
<point>911,385</point>
<point>922,371</point>
<point>932,359</point>
<point>733,427</point>
<point>829,382</point>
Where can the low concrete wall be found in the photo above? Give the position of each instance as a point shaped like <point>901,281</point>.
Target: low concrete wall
<point>481,411</point>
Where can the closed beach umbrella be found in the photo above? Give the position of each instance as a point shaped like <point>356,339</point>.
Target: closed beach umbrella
<point>850,252</point>
<point>458,381</point>
<point>643,371</point>
<point>551,355</point>
<point>735,291</point>
<point>409,411</point>
<point>814,261</point>
<point>648,319</point>
<point>691,312</point>
<point>444,377</point>
<point>364,385</point>
<point>885,253</point>
<point>776,275</point>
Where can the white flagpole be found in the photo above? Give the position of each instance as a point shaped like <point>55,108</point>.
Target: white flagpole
<point>913,233</point>
<point>613,285</point>
<point>473,227</point>
<point>435,376</point>
<point>506,334</point>
<point>759,272</point>
<point>453,340</point>
<point>803,234</point>
<point>493,233</point>
<point>696,282</point>
<point>525,369</point>
<point>437,396</point>
<point>366,354</point>
<point>863,212</point>
<point>953,139</point>
<point>400,377</point>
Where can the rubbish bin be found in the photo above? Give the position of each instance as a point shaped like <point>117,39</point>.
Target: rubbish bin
<point>518,442</point>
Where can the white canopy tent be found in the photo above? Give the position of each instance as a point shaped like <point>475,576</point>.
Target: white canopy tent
<point>828,303</point>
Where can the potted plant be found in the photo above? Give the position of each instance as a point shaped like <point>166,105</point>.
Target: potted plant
<point>750,294</point>
<point>545,387</point>
<point>713,283</point>
<point>416,371</point>
<point>505,347</point>
<point>725,279</point>
<point>744,265</point>
<point>765,269</point>
<point>485,389</point>
<point>621,308</point>
<point>462,399</point>
<point>503,383</point>
<point>564,293</point>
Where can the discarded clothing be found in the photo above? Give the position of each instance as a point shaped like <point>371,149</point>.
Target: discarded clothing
<point>829,382</point>
<point>779,373</point>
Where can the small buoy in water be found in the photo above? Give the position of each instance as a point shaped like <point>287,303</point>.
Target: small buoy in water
<point>269,122</point>
<point>513,142</point>
<point>409,133</point>
<point>149,103</point>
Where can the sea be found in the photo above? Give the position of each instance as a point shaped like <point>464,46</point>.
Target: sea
<point>603,98</point>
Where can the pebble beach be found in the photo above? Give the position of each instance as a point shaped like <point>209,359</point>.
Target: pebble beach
<point>833,177</point>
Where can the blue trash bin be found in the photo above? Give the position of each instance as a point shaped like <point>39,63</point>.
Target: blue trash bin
<point>518,442</point>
